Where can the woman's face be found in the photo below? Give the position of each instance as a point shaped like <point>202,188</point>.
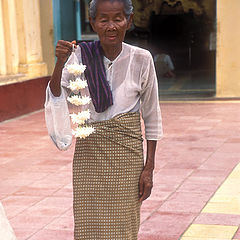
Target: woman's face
<point>110,23</point>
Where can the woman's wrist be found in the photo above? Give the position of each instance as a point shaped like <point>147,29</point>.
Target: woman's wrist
<point>60,63</point>
<point>149,166</point>
<point>151,148</point>
<point>55,82</point>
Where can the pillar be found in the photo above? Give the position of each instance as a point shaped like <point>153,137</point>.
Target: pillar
<point>29,38</point>
<point>8,36</point>
<point>228,49</point>
<point>47,34</point>
<point>3,65</point>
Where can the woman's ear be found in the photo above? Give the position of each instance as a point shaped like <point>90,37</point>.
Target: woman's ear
<point>92,22</point>
<point>130,21</point>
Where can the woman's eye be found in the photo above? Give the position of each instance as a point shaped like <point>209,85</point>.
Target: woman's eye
<point>103,20</point>
<point>118,20</point>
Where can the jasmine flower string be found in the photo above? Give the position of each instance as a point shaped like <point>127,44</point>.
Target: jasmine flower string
<point>82,131</point>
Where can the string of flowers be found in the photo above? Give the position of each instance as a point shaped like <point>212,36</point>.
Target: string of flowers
<point>81,131</point>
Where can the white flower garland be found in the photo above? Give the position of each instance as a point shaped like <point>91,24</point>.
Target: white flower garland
<point>81,117</point>
<point>76,69</point>
<point>78,100</point>
<point>83,132</point>
<point>76,85</point>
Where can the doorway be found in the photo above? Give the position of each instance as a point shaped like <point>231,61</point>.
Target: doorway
<point>182,39</point>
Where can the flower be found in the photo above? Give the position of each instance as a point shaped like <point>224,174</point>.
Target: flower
<point>76,69</point>
<point>83,132</point>
<point>81,117</point>
<point>75,85</point>
<point>78,100</point>
<point>81,83</point>
<point>78,84</point>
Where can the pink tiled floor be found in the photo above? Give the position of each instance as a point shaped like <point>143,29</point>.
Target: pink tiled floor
<point>199,150</point>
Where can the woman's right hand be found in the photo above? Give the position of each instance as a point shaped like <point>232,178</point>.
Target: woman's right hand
<point>63,50</point>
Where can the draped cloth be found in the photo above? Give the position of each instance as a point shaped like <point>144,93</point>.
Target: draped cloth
<point>106,171</point>
<point>95,73</point>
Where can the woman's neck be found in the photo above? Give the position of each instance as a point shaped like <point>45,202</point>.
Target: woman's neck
<point>111,52</point>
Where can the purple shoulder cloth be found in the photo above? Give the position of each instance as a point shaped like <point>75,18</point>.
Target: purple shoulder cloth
<point>95,73</point>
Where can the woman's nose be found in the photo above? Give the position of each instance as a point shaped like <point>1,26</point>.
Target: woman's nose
<point>111,25</point>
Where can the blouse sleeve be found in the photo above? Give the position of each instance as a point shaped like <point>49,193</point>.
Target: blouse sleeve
<point>57,109</point>
<point>58,120</point>
<point>150,108</point>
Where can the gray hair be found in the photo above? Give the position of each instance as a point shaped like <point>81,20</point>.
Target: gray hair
<point>128,7</point>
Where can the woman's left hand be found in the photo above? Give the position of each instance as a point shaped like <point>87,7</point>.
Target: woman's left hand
<point>145,184</point>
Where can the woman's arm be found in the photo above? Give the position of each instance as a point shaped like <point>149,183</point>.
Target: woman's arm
<point>56,108</point>
<point>146,178</point>
<point>151,114</point>
<point>63,51</point>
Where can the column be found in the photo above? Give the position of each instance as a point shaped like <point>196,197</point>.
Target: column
<point>29,36</point>
<point>3,64</point>
<point>47,34</point>
<point>228,48</point>
<point>9,46</point>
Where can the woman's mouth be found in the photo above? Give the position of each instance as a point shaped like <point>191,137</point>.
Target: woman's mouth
<point>112,37</point>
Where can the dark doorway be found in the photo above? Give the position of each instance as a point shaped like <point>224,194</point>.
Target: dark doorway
<point>185,37</point>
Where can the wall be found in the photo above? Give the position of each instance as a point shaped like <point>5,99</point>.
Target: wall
<point>22,97</point>
<point>47,34</point>
<point>228,48</point>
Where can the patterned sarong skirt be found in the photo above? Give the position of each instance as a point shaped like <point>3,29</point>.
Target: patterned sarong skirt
<point>106,170</point>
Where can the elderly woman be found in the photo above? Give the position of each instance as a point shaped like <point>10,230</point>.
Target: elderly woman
<point>110,179</point>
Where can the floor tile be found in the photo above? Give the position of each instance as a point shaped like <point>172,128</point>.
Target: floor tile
<point>52,234</point>
<point>166,223</point>
<point>204,238</point>
<point>225,208</point>
<point>61,223</point>
<point>237,235</point>
<point>218,219</point>
<point>158,236</point>
<point>227,198</point>
<point>196,163</point>
<point>211,231</point>
<point>24,233</point>
<point>31,221</point>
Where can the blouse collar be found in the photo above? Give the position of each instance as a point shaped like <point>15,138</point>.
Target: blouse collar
<point>108,63</point>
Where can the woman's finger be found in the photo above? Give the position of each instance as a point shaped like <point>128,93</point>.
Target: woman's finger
<point>141,188</point>
<point>64,44</point>
<point>74,42</point>
<point>147,188</point>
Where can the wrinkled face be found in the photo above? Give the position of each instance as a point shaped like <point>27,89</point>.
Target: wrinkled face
<point>110,23</point>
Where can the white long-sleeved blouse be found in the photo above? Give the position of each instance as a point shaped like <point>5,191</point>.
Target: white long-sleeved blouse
<point>133,82</point>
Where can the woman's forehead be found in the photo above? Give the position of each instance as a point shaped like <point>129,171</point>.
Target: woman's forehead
<point>107,7</point>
